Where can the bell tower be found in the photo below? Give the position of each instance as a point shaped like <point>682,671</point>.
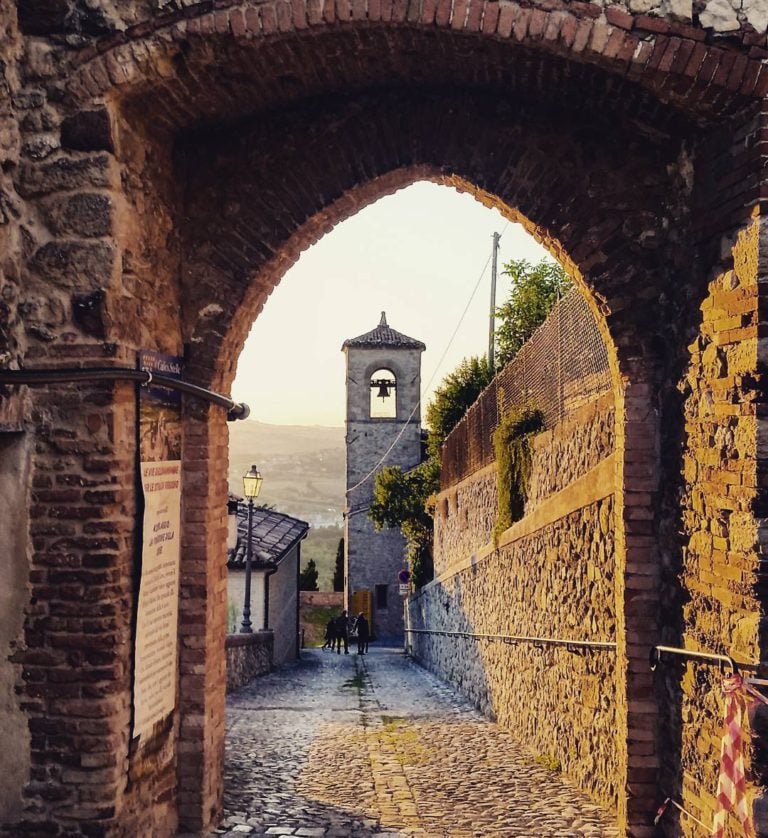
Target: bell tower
<point>383,429</point>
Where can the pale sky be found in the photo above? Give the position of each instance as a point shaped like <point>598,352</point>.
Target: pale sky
<point>417,255</point>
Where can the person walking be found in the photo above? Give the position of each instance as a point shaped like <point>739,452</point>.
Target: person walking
<point>330,634</point>
<point>363,633</point>
<point>342,633</point>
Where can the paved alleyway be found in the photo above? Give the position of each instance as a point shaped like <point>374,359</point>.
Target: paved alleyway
<point>346,746</point>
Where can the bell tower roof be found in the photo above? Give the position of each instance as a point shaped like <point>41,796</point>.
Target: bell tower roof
<point>383,335</point>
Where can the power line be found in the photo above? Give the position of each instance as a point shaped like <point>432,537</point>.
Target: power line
<point>431,378</point>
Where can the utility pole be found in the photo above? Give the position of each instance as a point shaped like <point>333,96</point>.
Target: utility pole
<point>492,321</point>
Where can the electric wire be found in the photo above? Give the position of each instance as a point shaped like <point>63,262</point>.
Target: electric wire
<point>429,382</point>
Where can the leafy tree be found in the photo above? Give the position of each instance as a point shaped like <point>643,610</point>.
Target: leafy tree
<point>308,577</point>
<point>457,392</point>
<point>338,570</point>
<point>535,289</point>
<point>401,499</point>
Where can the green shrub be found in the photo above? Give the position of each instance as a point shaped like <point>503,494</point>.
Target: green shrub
<point>512,444</point>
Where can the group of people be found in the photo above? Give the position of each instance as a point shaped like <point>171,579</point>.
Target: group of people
<point>338,629</point>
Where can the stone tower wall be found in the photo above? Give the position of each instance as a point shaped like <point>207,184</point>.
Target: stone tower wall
<point>374,558</point>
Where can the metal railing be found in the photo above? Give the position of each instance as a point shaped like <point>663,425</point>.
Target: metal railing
<point>514,639</point>
<point>656,653</point>
<point>72,375</point>
<point>563,365</point>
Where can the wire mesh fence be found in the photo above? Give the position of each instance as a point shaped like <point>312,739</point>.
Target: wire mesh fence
<point>562,366</point>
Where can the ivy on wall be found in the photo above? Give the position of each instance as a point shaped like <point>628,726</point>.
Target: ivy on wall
<point>512,444</point>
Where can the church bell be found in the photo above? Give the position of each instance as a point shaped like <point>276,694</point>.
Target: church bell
<point>384,385</point>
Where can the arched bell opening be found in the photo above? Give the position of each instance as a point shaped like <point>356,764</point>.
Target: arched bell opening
<point>383,386</point>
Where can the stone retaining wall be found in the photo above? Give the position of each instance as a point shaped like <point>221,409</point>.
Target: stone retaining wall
<point>568,452</point>
<point>551,575</point>
<point>321,599</point>
<point>465,514</point>
<point>248,656</point>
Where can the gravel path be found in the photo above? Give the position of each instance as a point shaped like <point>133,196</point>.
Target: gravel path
<point>347,746</point>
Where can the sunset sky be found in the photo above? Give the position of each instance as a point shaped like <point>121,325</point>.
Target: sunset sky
<point>416,255</point>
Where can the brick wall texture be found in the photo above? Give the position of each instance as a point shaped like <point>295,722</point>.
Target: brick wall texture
<point>163,163</point>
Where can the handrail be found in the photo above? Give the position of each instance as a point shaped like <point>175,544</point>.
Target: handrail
<point>679,807</point>
<point>513,639</point>
<point>67,375</point>
<point>657,651</point>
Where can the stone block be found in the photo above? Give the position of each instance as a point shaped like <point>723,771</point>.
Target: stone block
<point>64,174</point>
<point>73,264</point>
<point>84,215</point>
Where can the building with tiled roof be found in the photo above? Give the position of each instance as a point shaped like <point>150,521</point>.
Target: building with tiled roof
<point>275,564</point>
<point>274,534</point>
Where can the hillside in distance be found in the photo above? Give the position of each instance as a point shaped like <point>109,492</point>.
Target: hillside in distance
<point>302,465</point>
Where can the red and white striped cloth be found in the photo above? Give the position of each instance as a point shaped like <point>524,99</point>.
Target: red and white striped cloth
<point>732,784</point>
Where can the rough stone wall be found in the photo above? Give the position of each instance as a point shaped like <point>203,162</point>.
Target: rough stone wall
<point>248,656</point>
<point>465,514</point>
<point>90,298</point>
<point>15,447</point>
<point>557,580</point>
<point>11,209</point>
<point>465,517</point>
<point>577,445</point>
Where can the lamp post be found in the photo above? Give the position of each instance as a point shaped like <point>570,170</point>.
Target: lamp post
<point>252,481</point>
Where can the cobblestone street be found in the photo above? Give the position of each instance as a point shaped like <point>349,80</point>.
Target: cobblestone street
<point>359,746</point>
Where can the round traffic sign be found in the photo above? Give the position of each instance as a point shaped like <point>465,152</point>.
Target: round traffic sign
<point>404,576</point>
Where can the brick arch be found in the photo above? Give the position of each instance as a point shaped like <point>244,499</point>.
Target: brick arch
<point>255,199</point>
<point>182,52</point>
<point>237,247</point>
<point>630,151</point>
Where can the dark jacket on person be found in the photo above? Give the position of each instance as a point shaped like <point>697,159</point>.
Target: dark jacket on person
<point>340,624</point>
<point>363,629</point>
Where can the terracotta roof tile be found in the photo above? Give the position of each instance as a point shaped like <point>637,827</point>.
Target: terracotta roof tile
<point>273,535</point>
<point>383,335</point>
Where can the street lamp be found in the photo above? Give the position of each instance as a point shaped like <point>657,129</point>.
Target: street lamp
<point>252,481</point>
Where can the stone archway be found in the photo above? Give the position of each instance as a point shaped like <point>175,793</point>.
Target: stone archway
<point>191,158</point>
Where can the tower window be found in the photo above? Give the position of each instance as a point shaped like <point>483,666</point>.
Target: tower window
<point>383,395</point>
<point>381,597</point>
